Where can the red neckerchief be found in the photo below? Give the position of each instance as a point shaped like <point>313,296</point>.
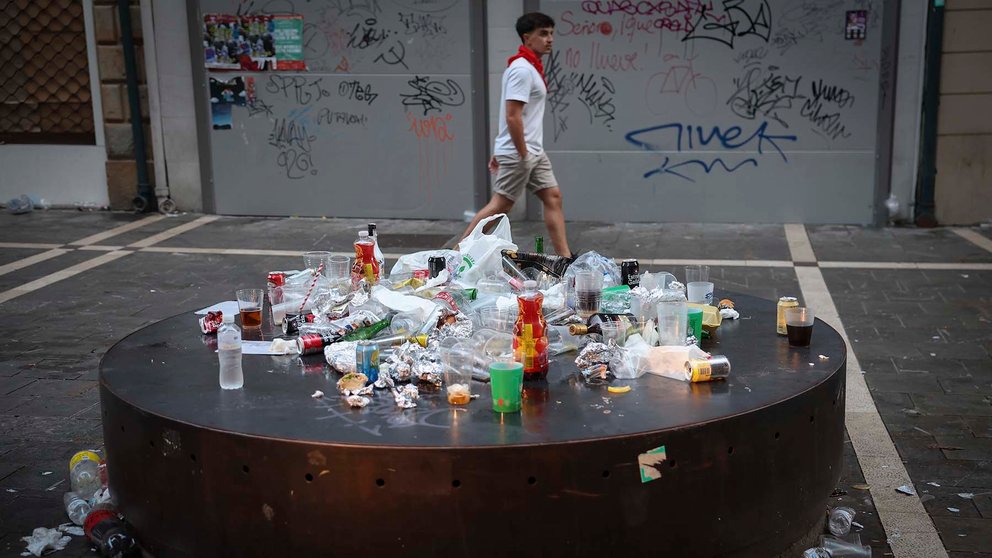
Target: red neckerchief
<point>530,56</point>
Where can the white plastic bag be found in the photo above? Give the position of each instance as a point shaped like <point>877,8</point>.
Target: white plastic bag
<point>666,360</point>
<point>481,253</point>
<point>408,263</point>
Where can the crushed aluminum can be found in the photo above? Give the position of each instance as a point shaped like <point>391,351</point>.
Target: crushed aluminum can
<point>357,401</point>
<point>211,322</point>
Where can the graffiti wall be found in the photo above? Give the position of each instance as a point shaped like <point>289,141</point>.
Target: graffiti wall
<point>715,110</point>
<point>375,120</point>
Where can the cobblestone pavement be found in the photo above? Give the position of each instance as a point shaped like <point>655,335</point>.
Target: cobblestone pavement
<point>916,306</point>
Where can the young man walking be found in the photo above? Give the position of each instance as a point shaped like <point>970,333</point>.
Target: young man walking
<point>519,162</point>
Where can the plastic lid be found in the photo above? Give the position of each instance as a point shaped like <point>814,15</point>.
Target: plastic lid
<point>363,234</point>
<point>228,318</point>
<point>530,285</point>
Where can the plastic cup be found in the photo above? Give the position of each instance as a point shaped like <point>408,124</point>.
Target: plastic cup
<point>799,326</point>
<point>459,361</point>
<point>588,292</point>
<point>696,323</point>
<point>492,317</point>
<point>313,261</point>
<point>506,380</point>
<point>338,270</point>
<point>498,347</point>
<point>672,322</point>
<point>694,273</point>
<point>250,306</point>
<point>614,331</point>
<point>700,292</point>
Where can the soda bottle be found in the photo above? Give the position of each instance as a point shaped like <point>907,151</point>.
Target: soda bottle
<point>530,339</point>
<point>365,266</point>
<point>76,507</point>
<point>84,473</point>
<point>375,240</point>
<point>538,244</point>
<point>106,531</point>
<point>229,353</point>
<point>368,332</point>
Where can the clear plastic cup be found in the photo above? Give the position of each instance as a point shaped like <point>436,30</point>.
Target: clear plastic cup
<point>700,292</point>
<point>799,326</point>
<point>460,360</point>
<point>588,292</point>
<point>696,272</point>
<point>492,317</point>
<point>338,270</point>
<point>314,260</point>
<point>250,305</point>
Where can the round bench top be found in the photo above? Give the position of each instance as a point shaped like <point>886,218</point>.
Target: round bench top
<point>169,369</point>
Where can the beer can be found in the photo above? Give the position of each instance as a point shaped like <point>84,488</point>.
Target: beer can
<point>436,264</point>
<point>211,322</point>
<point>313,343</point>
<point>630,273</point>
<point>717,367</point>
<point>292,322</point>
<point>367,359</point>
<point>783,303</point>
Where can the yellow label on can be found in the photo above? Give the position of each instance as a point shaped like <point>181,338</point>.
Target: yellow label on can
<point>700,371</point>
<point>82,456</point>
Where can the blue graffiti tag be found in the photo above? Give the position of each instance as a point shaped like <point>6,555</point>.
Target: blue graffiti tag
<point>688,137</point>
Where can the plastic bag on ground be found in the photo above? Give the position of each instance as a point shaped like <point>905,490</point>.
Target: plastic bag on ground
<point>481,253</point>
<point>594,261</point>
<point>419,307</point>
<point>20,205</point>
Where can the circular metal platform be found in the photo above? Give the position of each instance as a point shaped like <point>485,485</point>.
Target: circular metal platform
<point>268,471</point>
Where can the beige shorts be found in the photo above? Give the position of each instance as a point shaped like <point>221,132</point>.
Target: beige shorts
<point>534,174</point>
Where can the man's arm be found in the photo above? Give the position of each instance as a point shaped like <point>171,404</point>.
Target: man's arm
<point>515,125</point>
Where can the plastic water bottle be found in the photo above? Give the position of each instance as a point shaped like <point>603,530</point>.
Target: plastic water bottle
<point>840,521</point>
<point>229,352</point>
<point>84,473</point>
<point>76,508</point>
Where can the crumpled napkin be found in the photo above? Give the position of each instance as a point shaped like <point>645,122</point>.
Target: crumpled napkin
<point>43,538</point>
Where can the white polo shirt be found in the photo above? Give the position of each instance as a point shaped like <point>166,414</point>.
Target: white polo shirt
<point>521,82</point>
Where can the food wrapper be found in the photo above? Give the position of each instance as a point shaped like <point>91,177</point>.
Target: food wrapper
<point>283,347</point>
<point>365,391</point>
<point>428,369</point>
<point>351,383</point>
<point>597,353</point>
<point>460,328</point>
<point>341,356</point>
<point>357,401</point>
<point>405,396</point>
<point>211,322</point>
<point>398,366</point>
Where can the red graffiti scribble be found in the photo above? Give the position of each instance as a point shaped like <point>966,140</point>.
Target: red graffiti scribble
<point>435,142</point>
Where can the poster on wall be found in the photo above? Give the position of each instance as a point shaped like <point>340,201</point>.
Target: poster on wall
<point>857,25</point>
<point>225,94</point>
<point>233,42</point>
<point>288,33</point>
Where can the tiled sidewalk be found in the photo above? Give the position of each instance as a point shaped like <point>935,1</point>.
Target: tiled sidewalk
<point>922,335</point>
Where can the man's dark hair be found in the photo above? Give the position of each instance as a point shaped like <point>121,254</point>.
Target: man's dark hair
<point>527,23</point>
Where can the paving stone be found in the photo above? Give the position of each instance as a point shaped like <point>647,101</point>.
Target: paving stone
<point>979,426</point>
<point>58,226</point>
<point>906,382</point>
<point>47,267</point>
<point>970,385</point>
<point>965,534</point>
<point>839,243</point>
<point>10,255</point>
<point>965,405</point>
<point>965,447</point>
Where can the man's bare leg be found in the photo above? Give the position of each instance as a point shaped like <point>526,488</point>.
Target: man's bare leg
<point>497,204</point>
<point>554,219</point>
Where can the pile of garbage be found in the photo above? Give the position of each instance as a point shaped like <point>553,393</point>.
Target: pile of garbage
<point>441,310</point>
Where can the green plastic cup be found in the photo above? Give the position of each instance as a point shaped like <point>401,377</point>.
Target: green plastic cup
<point>696,323</point>
<point>506,380</point>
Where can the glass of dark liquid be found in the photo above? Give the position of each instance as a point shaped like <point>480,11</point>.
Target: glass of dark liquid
<point>799,326</point>
<point>250,306</point>
<point>588,292</point>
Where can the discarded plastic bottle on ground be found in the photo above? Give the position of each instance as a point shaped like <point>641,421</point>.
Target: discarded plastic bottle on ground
<point>76,507</point>
<point>106,531</point>
<point>840,521</point>
<point>84,473</point>
<point>530,339</point>
<point>816,553</point>
<point>229,353</point>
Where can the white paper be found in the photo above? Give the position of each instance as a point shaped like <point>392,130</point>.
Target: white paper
<point>419,307</point>
<point>257,348</point>
<point>228,307</point>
